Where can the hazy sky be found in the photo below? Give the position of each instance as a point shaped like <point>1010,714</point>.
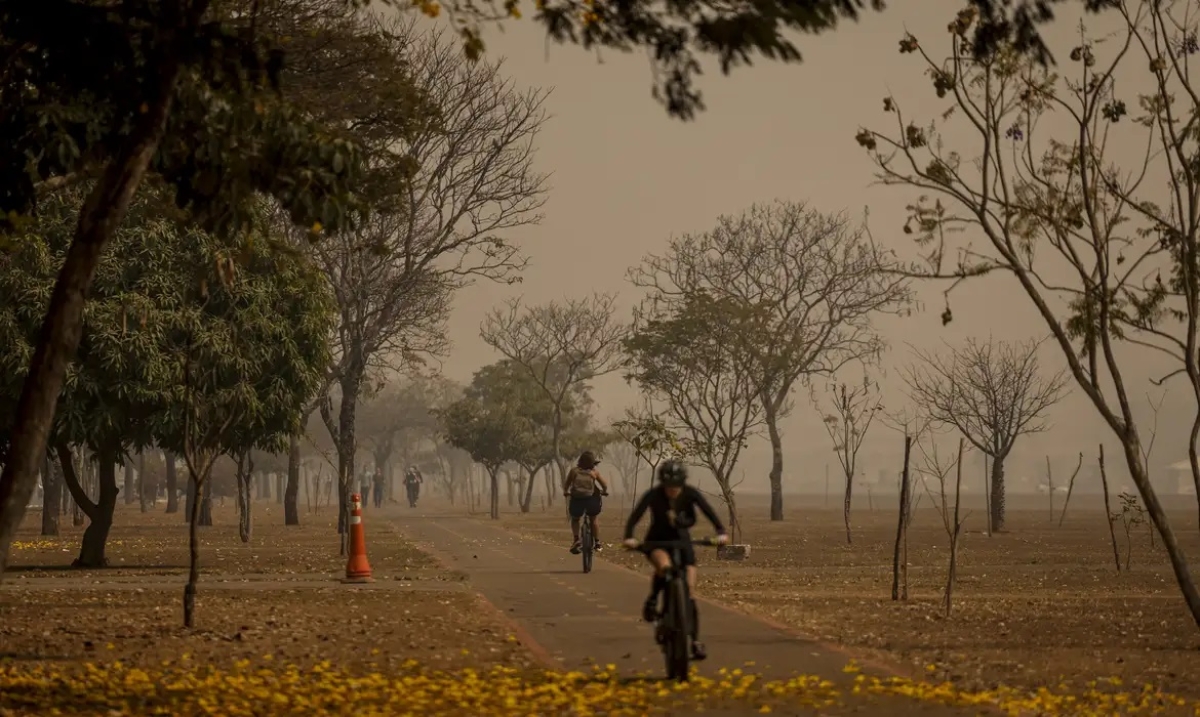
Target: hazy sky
<point>626,178</point>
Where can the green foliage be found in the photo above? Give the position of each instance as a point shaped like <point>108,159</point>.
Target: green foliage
<point>678,34</point>
<point>484,431</point>
<point>251,345</point>
<point>229,134</point>
<point>259,334</point>
<point>505,415</point>
<point>686,351</point>
<point>651,438</point>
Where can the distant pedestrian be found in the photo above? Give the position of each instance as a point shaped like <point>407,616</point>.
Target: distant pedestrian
<point>412,485</point>
<point>364,485</point>
<point>377,486</point>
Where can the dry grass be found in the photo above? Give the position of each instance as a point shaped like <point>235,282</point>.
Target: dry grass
<point>1036,605</point>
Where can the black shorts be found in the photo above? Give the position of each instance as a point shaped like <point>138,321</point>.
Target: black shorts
<point>687,552</point>
<point>579,505</point>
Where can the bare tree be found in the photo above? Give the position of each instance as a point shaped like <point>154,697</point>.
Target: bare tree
<point>993,392</point>
<point>853,410</point>
<point>808,283</point>
<point>626,462</point>
<point>561,345</point>
<point>937,467</point>
<point>680,351</point>
<point>913,426</point>
<point>472,183</point>
<point>1083,233</point>
<point>1070,490</point>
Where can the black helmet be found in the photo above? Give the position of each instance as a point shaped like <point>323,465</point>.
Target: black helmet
<point>672,472</point>
<point>588,460</point>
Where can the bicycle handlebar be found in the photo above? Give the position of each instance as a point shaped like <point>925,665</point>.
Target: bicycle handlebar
<point>669,544</point>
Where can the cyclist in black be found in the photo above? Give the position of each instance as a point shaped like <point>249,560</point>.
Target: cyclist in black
<point>672,505</point>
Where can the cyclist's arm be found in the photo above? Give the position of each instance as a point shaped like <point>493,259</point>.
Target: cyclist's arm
<point>600,479</point>
<point>638,511</point>
<point>703,505</point>
<point>566,484</point>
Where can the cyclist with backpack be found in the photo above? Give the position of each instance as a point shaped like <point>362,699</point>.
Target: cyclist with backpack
<point>672,505</point>
<point>583,487</point>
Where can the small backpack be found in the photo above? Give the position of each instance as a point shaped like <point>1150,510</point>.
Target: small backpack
<point>583,483</point>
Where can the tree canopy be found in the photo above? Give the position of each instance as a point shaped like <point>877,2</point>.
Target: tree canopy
<point>678,35</point>
<point>236,324</point>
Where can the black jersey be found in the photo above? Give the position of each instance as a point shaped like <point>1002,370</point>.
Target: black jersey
<point>671,519</point>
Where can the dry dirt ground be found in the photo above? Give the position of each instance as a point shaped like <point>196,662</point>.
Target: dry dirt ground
<point>272,603</point>
<point>1038,605</point>
<point>276,634</point>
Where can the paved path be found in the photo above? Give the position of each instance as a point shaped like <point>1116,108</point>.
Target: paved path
<point>579,620</point>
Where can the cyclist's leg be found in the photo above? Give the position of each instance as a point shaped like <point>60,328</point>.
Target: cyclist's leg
<point>661,562</point>
<point>595,505</point>
<point>575,509</point>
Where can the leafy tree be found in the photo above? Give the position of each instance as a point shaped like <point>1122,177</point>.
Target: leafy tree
<point>184,93</point>
<point>119,377</point>
<point>250,342</point>
<point>485,425</point>
<point>678,35</point>
<point>808,282</point>
<point>1125,268</point>
<point>561,346</point>
<point>680,350</point>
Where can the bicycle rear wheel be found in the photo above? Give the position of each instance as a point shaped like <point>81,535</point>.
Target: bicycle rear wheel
<point>586,544</point>
<point>675,619</point>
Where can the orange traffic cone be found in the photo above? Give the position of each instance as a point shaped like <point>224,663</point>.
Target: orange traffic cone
<point>358,570</point>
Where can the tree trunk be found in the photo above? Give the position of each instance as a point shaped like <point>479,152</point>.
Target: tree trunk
<point>776,465</point>
<point>527,497</point>
<point>846,506</point>
<point>100,518</point>
<point>494,502</point>
<point>551,492</point>
<point>899,553</point>
<point>291,510</point>
<point>144,491</point>
<point>127,486</point>
<point>58,340</point>
<point>280,487</point>
<point>52,490</point>
<point>206,504</point>
<point>189,590</point>
<point>735,525</point>
<point>1179,565</point>
<point>997,494</point>
<point>189,496</point>
<point>245,472</point>
<point>351,384</point>
<point>172,483</point>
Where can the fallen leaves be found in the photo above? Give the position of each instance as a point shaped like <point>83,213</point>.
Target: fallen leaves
<point>263,688</point>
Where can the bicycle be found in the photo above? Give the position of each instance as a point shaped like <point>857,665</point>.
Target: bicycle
<point>587,542</point>
<point>673,630</point>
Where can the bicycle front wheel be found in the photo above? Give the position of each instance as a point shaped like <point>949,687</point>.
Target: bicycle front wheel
<point>675,619</point>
